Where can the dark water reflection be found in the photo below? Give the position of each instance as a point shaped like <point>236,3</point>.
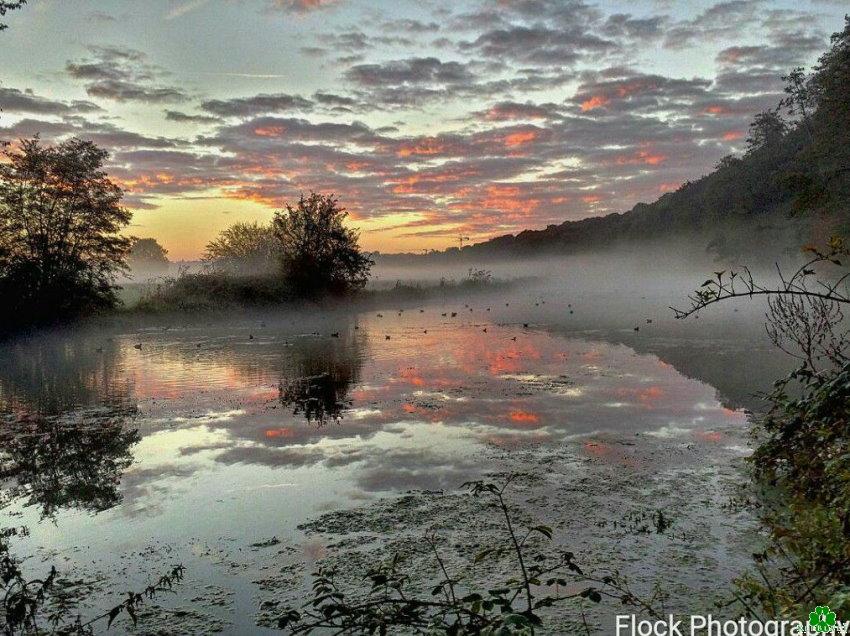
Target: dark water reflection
<point>63,463</point>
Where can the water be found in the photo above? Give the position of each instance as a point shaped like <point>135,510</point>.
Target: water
<point>139,443</point>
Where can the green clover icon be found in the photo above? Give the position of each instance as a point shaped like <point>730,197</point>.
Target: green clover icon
<point>822,618</point>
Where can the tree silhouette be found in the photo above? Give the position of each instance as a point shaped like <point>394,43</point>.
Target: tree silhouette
<point>60,215</point>
<point>244,248</point>
<point>319,254</point>
<point>147,255</point>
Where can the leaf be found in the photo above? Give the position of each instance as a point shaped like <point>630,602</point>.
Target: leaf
<point>113,614</point>
<point>546,531</point>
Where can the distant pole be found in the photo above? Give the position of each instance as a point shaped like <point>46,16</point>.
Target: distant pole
<point>461,238</point>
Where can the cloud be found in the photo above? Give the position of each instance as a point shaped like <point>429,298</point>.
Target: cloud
<point>184,7</point>
<point>15,101</point>
<point>416,71</point>
<point>302,6</point>
<point>178,116</point>
<point>539,44</point>
<point>255,105</point>
<point>122,75</point>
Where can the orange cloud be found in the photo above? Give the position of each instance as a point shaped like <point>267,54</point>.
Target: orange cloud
<point>269,131</point>
<point>524,417</point>
<point>641,157</point>
<point>733,135</point>
<point>597,101</point>
<point>427,146</point>
<point>520,138</point>
<point>280,432</point>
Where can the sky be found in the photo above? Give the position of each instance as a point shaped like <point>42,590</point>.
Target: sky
<point>430,121</point>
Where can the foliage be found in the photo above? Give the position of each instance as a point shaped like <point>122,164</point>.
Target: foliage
<point>244,248</point>
<point>60,215</point>
<point>801,465</point>
<point>801,468</point>
<point>320,255</point>
<point>479,276</point>
<point>741,284</point>
<point>25,602</point>
<point>542,580</point>
<point>210,290</point>
<point>766,131</point>
<point>147,255</point>
<point>9,5</point>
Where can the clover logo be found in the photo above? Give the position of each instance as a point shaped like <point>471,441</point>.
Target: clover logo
<point>822,618</point>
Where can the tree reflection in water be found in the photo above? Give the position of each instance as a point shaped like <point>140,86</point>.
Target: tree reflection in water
<point>64,434</point>
<point>59,462</point>
<point>322,373</point>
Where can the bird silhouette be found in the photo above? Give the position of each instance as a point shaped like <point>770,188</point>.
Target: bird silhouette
<point>514,338</point>
<point>250,336</point>
<point>335,334</point>
<point>386,337</point>
<point>454,313</point>
<point>525,325</point>
<point>485,329</point>
<point>137,346</point>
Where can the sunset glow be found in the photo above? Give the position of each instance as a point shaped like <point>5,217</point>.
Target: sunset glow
<point>480,117</point>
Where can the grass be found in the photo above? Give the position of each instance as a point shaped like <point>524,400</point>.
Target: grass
<point>217,291</point>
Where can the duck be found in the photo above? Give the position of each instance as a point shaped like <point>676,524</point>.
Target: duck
<point>137,346</point>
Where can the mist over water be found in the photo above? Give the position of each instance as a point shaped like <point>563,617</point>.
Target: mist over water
<point>217,432</point>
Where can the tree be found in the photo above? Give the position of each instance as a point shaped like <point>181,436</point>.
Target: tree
<point>319,253</point>
<point>767,129</point>
<point>9,5</point>
<point>147,255</point>
<point>829,83</point>
<point>801,98</point>
<point>244,248</point>
<point>60,215</point>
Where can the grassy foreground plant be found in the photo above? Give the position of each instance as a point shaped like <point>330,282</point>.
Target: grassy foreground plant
<point>542,579</point>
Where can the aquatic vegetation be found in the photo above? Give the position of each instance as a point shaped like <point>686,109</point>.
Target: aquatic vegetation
<point>542,578</point>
